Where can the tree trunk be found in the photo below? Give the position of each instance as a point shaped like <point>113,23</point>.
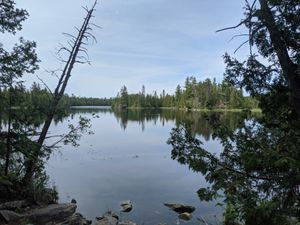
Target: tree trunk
<point>290,69</point>
<point>58,94</point>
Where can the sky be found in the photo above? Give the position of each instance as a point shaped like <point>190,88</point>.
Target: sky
<point>156,43</point>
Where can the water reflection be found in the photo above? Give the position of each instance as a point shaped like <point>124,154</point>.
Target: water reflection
<point>199,122</point>
<point>128,158</point>
<point>105,171</point>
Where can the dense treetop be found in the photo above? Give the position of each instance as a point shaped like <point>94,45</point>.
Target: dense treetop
<point>205,94</point>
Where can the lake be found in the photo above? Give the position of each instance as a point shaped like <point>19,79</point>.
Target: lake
<point>127,158</point>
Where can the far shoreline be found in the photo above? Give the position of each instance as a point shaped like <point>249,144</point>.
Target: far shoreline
<point>255,110</point>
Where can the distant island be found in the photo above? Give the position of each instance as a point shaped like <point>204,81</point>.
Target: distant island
<point>193,95</point>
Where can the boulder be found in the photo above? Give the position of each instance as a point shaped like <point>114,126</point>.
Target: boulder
<point>126,206</point>
<point>13,205</point>
<point>108,218</point>
<point>43,215</point>
<point>180,208</point>
<point>12,217</point>
<point>185,216</point>
<point>54,212</point>
<point>127,223</point>
<point>76,219</point>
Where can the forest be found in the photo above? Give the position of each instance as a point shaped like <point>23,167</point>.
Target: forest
<point>194,94</point>
<point>40,98</point>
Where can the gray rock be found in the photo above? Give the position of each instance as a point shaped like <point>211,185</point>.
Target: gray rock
<point>127,202</point>
<point>107,219</point>
<point>127,223</point>
<point>76,219</point>
<point>13,205</point>
<point>180,208</point>
<point>55,212</point>
<point>50,213</point>
<point>126,206</point>
<point>185,216</point>
<point>10,216</point>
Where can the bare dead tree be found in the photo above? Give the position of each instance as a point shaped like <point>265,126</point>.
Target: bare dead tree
<point>77,44</point>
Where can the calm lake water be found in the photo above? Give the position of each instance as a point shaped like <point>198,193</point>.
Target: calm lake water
<point>127,158</point>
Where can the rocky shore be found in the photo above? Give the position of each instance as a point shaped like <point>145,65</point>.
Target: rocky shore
<point>19,213</point>
<point>22,213</point>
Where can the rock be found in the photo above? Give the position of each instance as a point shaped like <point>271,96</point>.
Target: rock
<point>126,206</point>
<point>115,215</point>
<point>127,223</point>
<point>73,201</point>
<point>127,202</point>
<point>76,219</point>
<point>185,216</point>
<point>50,213</point>
<point>180,208</point>
<point>10,216</point>
<point>54,212</point>
<point>108,218</point>
<point>13,205</point>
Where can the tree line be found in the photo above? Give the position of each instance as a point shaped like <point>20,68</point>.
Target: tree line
<point>194,94</point>
<point>205,94</point>
<point>40,98</point>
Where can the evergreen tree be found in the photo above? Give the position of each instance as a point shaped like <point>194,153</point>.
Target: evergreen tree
<point>258,170</point>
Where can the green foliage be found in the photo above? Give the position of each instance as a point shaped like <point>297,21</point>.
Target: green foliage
<point>13,17</point>
<point>75,132</point>
<point>258,170</point>
<point>231,215</point>
<point>195,95</point>
<point>85,101</point>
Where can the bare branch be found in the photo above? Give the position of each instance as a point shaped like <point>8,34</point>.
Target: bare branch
<point>70,35</point>
<point>233,27</point>
<point>54,136</point>
<point>241,45</point>
<point>239,35</point>
<point>64,49</point>
<point>85,8</point>
<point>95,25</point>
<point>53,72</point>
<point>40,79</point>
<point>82,62</point>
<point>77,29</point>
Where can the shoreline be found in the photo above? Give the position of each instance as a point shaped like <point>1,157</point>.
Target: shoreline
<point>258,110</point>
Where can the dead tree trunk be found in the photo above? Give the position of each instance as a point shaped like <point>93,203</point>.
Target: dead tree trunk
<point>77,42</point>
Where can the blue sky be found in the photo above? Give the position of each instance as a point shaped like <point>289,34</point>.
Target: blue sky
<point>156,43</point>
